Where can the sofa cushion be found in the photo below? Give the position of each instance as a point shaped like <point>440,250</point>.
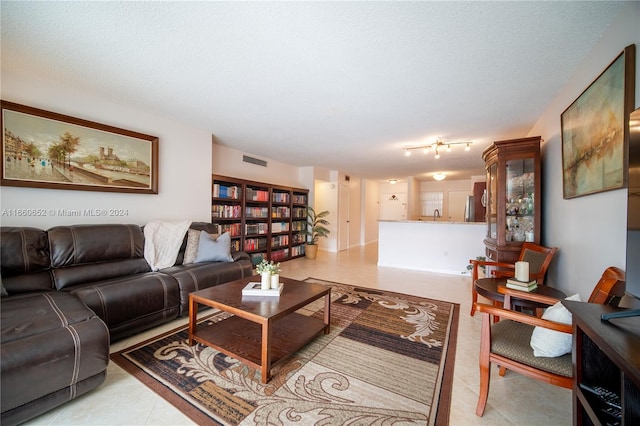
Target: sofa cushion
<point>198,276</point>
<point>87,253</point>
<point>131,304</point>
<point>80,244</point>
<point>25,253</point>
<point>50,342</point>
<point>89,273</point>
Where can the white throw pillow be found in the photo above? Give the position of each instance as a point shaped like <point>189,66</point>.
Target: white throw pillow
<point>551,343</point>
<point>212,249</point>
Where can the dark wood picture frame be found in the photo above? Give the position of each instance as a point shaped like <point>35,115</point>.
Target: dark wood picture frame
<point>44,149</point>
<point>595,131</point>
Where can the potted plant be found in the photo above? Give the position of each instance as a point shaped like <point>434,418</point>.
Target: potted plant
<point>269,273</point>
<point>316,229</point>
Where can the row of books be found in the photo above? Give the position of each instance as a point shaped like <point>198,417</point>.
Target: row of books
<point>299,226</point>
<point>224,191</point>
<point>280,197</point>
<point>298,238</point>
<point>252,228</point>
<point>257,195</point>
<point>259,212</point>
<point>235,245</point>
<point>521,285</point>
<point>299,199</point>
<point>297,251</point>
<point>280,240</point>
<point>299,212</point>
<point>251,244</point>
<point>256,228</point>
<point>279,255</point>
<point>234,229</point>
<point>279,226</point>
<point>280,211</point>
<point>226,211</point>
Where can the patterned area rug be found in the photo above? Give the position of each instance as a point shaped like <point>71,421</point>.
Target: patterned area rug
<point>388,360</point>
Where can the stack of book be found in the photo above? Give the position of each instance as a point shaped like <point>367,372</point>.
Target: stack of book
<point>521,285</point>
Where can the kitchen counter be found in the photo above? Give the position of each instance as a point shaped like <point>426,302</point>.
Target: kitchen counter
<point>434,246</point>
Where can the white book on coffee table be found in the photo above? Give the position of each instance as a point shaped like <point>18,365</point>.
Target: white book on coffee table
<point>255,289</point>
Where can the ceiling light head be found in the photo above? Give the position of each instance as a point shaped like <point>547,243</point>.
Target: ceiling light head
<point>439,176</point>
<point>448,147</point>
<point>393,181</point>
<point>425,149</point>
<point>407,152</point>
<point>437,153</point>
<point>468,147</point>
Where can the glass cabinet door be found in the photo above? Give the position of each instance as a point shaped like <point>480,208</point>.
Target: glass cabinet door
<point>492,205</point>
<point>519,200</point>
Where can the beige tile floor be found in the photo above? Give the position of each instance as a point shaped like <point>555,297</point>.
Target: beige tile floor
<point>513,399</point>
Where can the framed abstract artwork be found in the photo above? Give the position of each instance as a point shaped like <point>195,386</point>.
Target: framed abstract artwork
<point>43,149</point>
<point>595,131</point>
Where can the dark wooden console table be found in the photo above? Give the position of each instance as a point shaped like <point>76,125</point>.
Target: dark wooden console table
<point>606,354</point>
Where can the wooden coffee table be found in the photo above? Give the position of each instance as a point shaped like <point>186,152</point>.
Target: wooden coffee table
<point>264,330</point>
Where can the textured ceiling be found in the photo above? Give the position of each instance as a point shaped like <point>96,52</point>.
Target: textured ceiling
<point>341,85</point>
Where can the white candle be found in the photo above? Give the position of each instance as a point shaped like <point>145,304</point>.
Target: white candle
<point>522,271</point>
<point>265,282</point>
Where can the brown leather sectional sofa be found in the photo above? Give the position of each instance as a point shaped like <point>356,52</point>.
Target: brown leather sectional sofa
<point>71,290</point>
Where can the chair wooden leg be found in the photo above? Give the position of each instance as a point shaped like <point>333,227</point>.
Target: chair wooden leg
<point>474,293</point>
<point>485,365</point>
<point>497,305</point>
<point>502,371</point>
<point>474,299</point>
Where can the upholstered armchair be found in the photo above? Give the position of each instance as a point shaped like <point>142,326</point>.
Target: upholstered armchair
<point>508,343</point>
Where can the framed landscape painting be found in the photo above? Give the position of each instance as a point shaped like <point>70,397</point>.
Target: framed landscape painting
<point>595,131</point>
<point>43,149</point>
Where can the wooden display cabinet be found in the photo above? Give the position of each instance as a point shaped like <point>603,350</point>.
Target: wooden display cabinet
<point>513,197</point>
<point>264,220</point>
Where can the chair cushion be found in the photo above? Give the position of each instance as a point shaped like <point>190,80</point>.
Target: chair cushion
<point>512,340</point>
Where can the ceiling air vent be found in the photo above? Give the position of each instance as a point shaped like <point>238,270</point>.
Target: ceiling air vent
<point>255,161</point>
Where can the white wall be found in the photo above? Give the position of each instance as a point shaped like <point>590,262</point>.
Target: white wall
<point>228,162</point>
<point>370,211</point>
<point>327,199</point>
<point>355,207</point>
<point>184,161</point>
<point>430,246</point>
<point>590,231</point>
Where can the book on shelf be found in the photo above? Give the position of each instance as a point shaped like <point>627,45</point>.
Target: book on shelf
<point>523,288</point>
<point>255,289</point>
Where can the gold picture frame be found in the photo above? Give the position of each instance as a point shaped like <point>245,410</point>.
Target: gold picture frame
<point>595,131</point>
<point>44,149</point>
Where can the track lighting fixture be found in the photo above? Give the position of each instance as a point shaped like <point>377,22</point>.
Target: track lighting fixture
<point>436,146</point>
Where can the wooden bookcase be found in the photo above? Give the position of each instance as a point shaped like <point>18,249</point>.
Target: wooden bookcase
<point>606,354</point>
<point>264,220</point>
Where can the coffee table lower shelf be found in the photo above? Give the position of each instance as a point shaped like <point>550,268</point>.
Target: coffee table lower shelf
<point>242,339</point>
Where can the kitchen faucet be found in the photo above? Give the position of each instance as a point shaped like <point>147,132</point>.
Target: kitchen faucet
<point>436,214</point>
